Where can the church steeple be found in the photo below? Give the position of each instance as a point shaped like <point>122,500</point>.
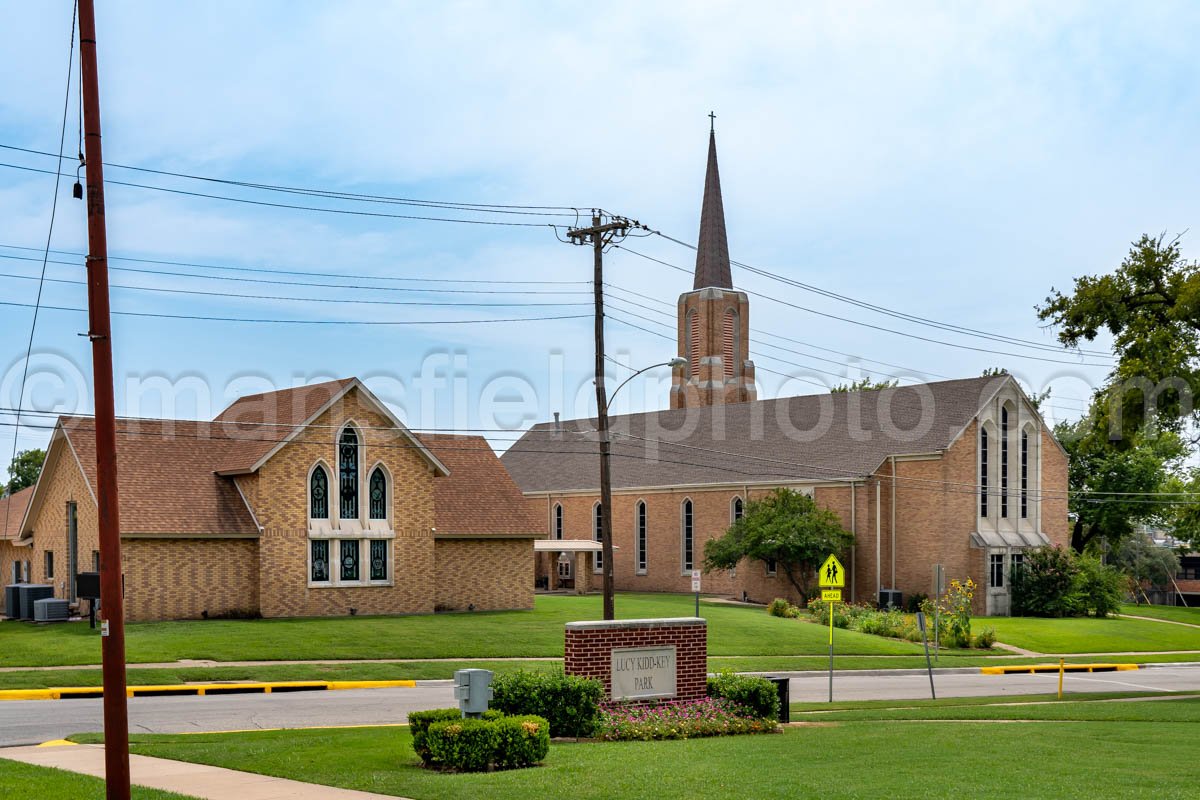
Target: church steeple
<point>714,320</point>
<point>712,250</point>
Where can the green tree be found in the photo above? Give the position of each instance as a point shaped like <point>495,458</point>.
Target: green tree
<point>1114,484</point>
<point>865,384</point>
<point>1183,508</point>
<point>786,527</point>
<point>24,469</point>
<point>1151,307</point>
<point>1144,562</point>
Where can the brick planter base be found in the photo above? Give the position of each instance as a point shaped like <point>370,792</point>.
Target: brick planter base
<point>589,649</point>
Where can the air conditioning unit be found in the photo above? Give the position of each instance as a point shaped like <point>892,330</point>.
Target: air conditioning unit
<point>12,600</point>
<point>891,597</point>
<point>51,610</point>
<point>30,593</point>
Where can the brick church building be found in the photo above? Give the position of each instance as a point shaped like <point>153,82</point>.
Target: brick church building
<point>962,473</point>
<point>313,501</point>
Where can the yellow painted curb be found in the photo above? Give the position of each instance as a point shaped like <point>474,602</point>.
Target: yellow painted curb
<point>201,689</point>
<point>58,743</point>
<point>1034,668</point>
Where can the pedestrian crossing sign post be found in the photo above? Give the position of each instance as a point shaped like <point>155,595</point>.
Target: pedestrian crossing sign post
<point>832,579</point>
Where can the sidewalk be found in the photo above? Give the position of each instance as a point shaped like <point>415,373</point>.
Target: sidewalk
<point>192,780</point>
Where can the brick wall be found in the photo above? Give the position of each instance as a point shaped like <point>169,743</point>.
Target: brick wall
<point>63,482</point>
<point>588,649</point>
<point>490,574</point>
<point>182,578</point>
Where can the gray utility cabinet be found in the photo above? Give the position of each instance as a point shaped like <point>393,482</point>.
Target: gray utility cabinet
<point>12,600</point>
<point>51,610</point>
<point>29,594</point>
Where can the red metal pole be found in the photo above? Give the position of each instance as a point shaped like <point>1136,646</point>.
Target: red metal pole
<point>112,622</point>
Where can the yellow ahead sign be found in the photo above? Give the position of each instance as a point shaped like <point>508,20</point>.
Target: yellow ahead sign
<point>832,574</point>
<point>831,595</point>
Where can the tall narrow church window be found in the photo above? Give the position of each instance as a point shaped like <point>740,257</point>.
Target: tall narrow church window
<point>1004,462</point>
<point>319,549</point>
<point>379,560</point>
<point>693,343</point>
<point>1024,474</point>
<point>349,560</point>
<point>598,535</point>
<point>983,472</point>
<point>558,521</point>
<point>641,537</point>
<point>318,494</point>
<point>378,494</point>
<point>348,473</point>
<point>738,510</point>
<point>729,331</point>
<point>687,535</point>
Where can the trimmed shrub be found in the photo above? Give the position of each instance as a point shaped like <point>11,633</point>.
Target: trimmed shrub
<point>419,722</point>
<point>521,741</point>
<point>1045,584</point>
<point>1098,587</point>
<point>569,702</point>
<point>779,608</point>
<point>985,639</point>
<point>469,745</point>
<point>757,696</point>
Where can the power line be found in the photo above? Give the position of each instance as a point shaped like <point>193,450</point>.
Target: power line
<point>888,311</point>
<point>375,198</point>
<point>296,207</point>
<point>305,321</point>
<point>240,268</point>
<point>62,138</point>
<point>879,327</point>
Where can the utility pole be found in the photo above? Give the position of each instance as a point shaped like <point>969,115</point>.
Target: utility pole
<point>112,606</point>
<point>600,235</point>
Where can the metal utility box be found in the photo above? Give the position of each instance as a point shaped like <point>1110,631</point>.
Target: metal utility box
<point>30,593</point>
<point>12,600</point>
<point>783,689</point>
<point>473,690</point>
<point>87,585</point>
<point>51,610</point>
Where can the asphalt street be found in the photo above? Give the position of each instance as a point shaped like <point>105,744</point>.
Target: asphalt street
<point>34,721</point>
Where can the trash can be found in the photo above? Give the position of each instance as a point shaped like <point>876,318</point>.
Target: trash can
<point>781,688</point>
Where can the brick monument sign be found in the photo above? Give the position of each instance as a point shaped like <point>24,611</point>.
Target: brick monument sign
<point>641,660</point>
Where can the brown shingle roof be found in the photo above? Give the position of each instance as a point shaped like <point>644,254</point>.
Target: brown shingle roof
<point>166,477</point>
<point>832,436</point>
<point>262,420</point>
<point>12,511</point>
<point>478,496</point>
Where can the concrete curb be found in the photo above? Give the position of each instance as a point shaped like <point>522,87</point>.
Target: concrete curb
<point>1031,669</point>
<point>200,689</point>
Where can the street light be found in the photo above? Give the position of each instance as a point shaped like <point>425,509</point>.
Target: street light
<point>606,547</point>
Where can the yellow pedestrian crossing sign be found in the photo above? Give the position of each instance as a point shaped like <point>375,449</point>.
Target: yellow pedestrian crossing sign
<point>832,574</point>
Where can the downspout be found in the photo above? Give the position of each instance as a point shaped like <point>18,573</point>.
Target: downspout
<point>853,530</point>
<point>878,546</point>
<point>893,522</point>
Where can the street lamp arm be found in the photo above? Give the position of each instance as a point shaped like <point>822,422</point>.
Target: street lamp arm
<point>674,362</point>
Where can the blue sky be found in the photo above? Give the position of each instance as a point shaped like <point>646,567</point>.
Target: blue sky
<point>953,161</point>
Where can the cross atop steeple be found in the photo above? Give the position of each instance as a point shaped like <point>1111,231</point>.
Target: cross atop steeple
<point>712,122</point>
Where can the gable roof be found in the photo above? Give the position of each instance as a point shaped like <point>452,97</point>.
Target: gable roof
<point>166,482</point>
<point>478,496</point>
<point>826,437</point>
<point>12,512</point>
<point>264,423</point>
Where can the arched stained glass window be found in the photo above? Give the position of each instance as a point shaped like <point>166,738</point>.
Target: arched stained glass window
<point>318,494</point>
<point>378,494</point>
<point>1004,462</point>
<point>558,521</point>
<point>348,474</point>
<point>641,537</point>
<point>687,534</point>
<point>983,472</point>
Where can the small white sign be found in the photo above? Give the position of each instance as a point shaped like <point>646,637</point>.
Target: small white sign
<point>640,673</point>
<point>695,574</point>
<point>695,586</point>
<point>104,627</point>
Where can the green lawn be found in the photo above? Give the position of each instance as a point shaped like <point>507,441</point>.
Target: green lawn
<point>1138,748</point>
<point>733,630</point>
<point>1173,613</point>
<point>1090,635</point>
<point>26,782</point>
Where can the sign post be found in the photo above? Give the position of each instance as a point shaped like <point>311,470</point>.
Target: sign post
<point>696,589</point>
<point>939,589</point>
<point>831,578</point>
<point>928,663</point>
